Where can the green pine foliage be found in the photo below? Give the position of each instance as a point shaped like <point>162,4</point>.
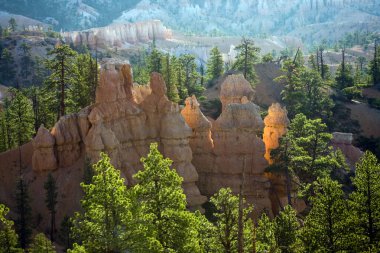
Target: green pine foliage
<point>215,66</point>
<point>365,203</point>
<point>286,227</point>
<point>64,74</point>
<point>304,91</point>
<point>246,58</point>
<point>106,223</point>
<point>163,203</point>
<point>41,244</point>
<point>227,216</point>
<point>21,118</point>
<point>24,213</point>
<point>326,226</point>
<point>8,237</point>
<point>265,235</point>
<point>51,201</point>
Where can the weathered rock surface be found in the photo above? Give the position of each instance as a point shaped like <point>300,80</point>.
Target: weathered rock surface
<point>234,88</point>
<point>343,141</point>
<point>119,34</point>
<point>43,157</point>
<point>276,124</point>
<point>228,152</point>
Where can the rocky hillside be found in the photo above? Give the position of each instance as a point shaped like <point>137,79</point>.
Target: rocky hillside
<point>259,17</point>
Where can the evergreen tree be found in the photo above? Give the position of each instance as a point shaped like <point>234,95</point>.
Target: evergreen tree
<point>51,202</point>
<point>375,65</point>
<point>8,237</point>
<point>246,59</point>
<point>24,213</point>
<point>265,235</point>
<point>63,75</point>
<point>107,223</point>
<point>365,202</point>
<point>65,232</point>
<point>325,228</point>
<point>190,76</point>
<point>214,66</point>
<point>285,229</point>
<point>208,240</point>
<point>26,61</point>
<point>168,74</point>
<point>7,69</point>
<point>154,61</point>
<point>21,118</point>
<point>41,244</point>
<point>227,216</point>
<point>82,92</point>
<point>343,76</point>
<point>12,24</point>
<point>267,58</point>
<point>163,203</point>
<point>304,91</point>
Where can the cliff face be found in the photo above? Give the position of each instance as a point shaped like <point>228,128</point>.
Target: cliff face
<point>229,152</point>
<point>119,34</point>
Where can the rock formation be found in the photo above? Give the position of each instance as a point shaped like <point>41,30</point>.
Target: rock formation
<point>343,141</point>
<point>276,124</point>
<point>228,152</point>
<point>43,157</point>
<point>119,34</point>
<point>123,127</point>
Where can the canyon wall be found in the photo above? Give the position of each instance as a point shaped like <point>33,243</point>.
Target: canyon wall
<point>119,34</point>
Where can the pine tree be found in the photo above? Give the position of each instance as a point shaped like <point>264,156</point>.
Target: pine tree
<point>24,213</point>
<point>375,65</point>
<point>107,223</point>
<point>343,76</point>
<point>12,24</point>
<point>365,202</point>
<point>191,76</point>
<point>163,203</point>
<point>26,61</point>
<point>51,202</point>
<point>8,237</point>
<point>227,216</point>
<point>21,118</point>
<point>246,59</point>
<point>168,74</point>
<point>154,61</point>
<point>285,229</point>
<point>7,69</point>
<point>82,92</point>
<point>265,235</point>
<point>325,228</point>
<point>63,75</point>
<point>65,232</point>
<point>41,244</point>
<point>214,66</point>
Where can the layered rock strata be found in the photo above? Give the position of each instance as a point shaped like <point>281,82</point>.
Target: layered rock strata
<point>119,34</point>
<point>229,151</point>
<point>123,127</point>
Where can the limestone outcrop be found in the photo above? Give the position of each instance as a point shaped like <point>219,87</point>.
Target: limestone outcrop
<point>119,34</point>
<point>229,152</point>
